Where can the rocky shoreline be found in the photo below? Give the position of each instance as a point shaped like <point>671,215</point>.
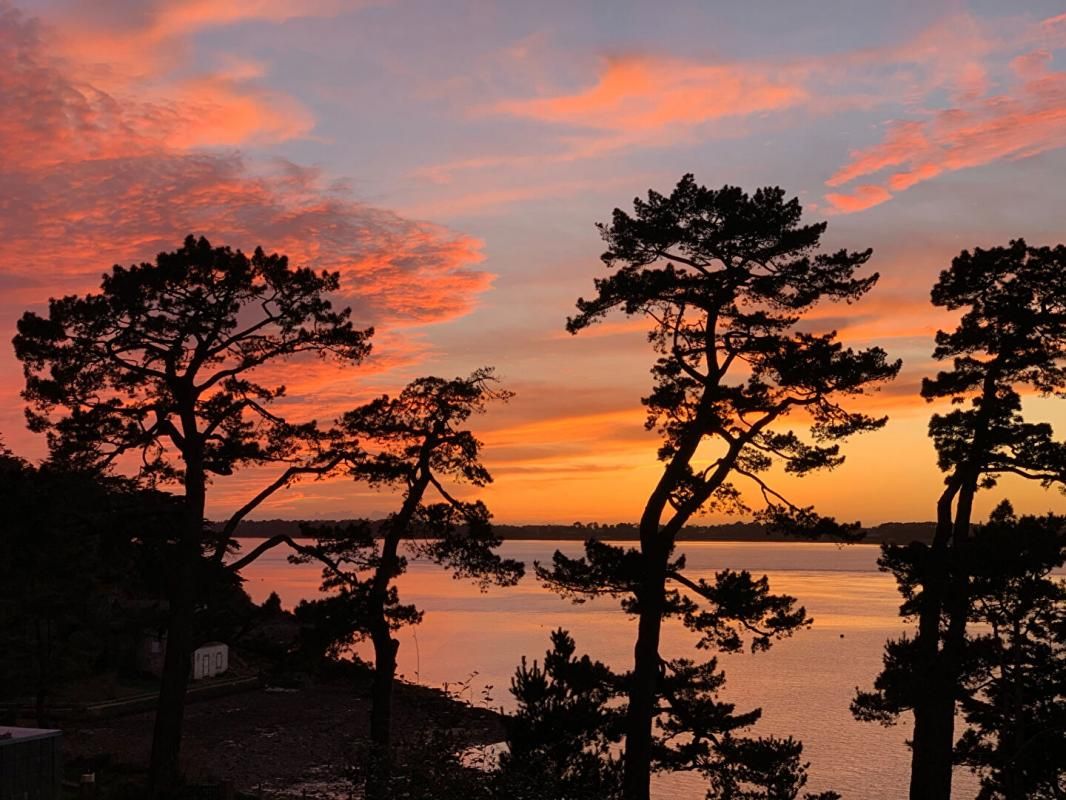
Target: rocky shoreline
<point>279,743</point>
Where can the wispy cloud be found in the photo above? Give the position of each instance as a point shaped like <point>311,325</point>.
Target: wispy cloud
<point>126,40</point>
<point>643,96</point>
<point>1024,116</point>
<point>961,93</point>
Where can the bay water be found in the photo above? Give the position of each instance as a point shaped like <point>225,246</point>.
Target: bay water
<point>471,642</point>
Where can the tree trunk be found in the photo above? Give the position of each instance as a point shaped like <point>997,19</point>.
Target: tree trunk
<point>164,766</point>
<point>655,546</point>
<point>934,732</point>
<point>643,692</point>
<point>929,680</point>
<point>379,768</point>
<point>933,744</point>
<point>163,770</point>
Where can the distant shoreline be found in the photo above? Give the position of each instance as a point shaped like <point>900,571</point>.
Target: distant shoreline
<point>891,532</point>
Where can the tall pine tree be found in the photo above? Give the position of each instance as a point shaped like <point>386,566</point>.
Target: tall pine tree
<point>156,375</point>
<point>723,278</point>
<point>1011,338</point>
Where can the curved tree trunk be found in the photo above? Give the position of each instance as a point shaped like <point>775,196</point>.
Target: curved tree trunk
<point>946,593</point>
<point>379,769</point>
<point>655,546</point>
<point>643,691</point>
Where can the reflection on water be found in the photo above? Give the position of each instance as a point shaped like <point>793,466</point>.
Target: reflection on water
<point>803,685</point>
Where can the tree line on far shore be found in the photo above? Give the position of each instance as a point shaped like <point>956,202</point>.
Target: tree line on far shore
<point>166,380</point>
<point>893,532</point>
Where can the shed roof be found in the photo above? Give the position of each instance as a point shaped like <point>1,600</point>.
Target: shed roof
<point>10,735</point>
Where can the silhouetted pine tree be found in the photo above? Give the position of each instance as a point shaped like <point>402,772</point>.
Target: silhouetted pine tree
<point>1015,676</point>
<point>1011,337</point>
<point>724,279</point>
<point>1012,681</point>
<point>56,580</point>
<point>155,374</point>
<point>563,739</point>
<point>416,443</point>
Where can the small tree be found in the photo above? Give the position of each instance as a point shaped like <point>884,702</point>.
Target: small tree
<point>155,375</point>
<point>695,730</point>
<point>562,737</point>
<point>417,442</point>
<point>571,714</point>
<point>1011,337</point>
<point>724,278</point>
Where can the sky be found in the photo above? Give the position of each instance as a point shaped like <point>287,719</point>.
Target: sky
<point>451,159</point>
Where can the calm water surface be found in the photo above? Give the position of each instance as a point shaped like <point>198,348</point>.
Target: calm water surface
<point>803,685</point>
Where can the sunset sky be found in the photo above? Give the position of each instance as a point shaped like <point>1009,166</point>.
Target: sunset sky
<point>451,159</point>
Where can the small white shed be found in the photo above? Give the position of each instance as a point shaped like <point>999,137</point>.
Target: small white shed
<point>210,659</point>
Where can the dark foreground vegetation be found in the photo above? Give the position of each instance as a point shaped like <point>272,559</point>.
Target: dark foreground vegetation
<point>152,390</point>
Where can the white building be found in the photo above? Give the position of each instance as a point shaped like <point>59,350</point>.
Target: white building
<point>209,660</point>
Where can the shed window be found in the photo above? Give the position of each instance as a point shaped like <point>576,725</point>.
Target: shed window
<point>218,660</point>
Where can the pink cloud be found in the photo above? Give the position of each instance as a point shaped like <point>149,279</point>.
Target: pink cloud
<point>1003,103</point>
<point>230,112</point>
<point>645,100</point>
<point>1024,119</point>
<point>900,142</point>
<point>861,198</point>
<point>55,115</point>
<point>138,55</point>
<point>126,39</point>
<point>649,94</point>
<point>90,179</point>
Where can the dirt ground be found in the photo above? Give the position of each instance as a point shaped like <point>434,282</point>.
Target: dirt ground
<point>276,739</point>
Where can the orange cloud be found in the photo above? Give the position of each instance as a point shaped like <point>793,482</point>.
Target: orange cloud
<point>902,140</point>
<point>1026,119</point>
<point>230,111</point>
<point>649,94</point>
<point>90,179</point>
<point>134,57</point>
<point>861,198</point>
<point>142,38</point>
<point>648,100</point>
<point>53,116</point>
